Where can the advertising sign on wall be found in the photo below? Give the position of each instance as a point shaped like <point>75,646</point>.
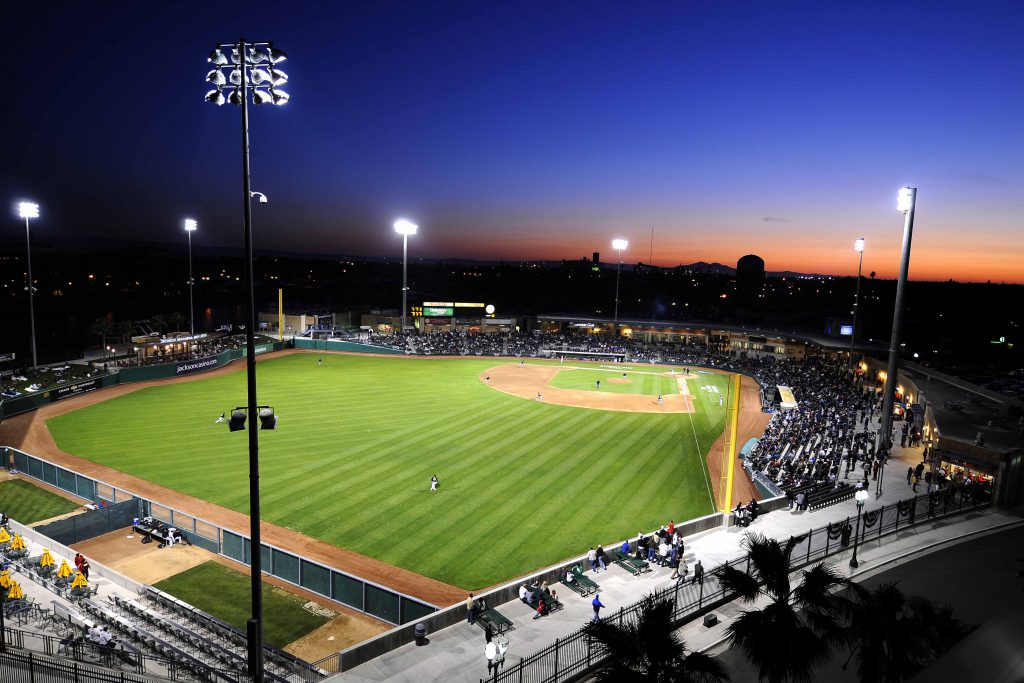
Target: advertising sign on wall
<point>194,365</point>
<point>74,389</point>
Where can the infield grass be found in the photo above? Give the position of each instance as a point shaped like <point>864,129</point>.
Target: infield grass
<point>523,483</point>
<point>224,593</point>
<point>648,382</point>
<point>27,503</point>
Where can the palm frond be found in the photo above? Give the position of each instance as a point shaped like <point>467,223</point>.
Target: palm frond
<point>733,580</point>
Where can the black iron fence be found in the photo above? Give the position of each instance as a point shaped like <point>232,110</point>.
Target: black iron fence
<point>576,653</point>
<point>29,653</point>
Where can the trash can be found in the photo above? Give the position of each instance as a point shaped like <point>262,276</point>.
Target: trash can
<point>421,634</point>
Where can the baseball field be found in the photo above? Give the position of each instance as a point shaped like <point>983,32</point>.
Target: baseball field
<point>536,462</point>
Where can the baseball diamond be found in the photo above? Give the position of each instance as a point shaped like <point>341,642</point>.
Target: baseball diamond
<point>523,483</point>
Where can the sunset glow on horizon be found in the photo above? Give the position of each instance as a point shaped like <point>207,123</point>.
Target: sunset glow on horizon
<point>525,131</point>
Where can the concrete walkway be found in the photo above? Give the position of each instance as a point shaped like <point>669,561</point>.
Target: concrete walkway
<point>456,653</point>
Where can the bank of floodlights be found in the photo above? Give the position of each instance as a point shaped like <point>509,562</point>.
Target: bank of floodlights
<point>268,420</point>
<point>244,68</point>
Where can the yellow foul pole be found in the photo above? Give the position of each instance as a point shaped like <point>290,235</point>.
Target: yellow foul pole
<point>732,417</point>
<point>280,314</point>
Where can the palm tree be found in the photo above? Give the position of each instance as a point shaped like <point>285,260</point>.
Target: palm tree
<point>101,327</point>
<point>894,636</point>
<point>798,628</point>
<point>651,651</point>
<point>124,330</point>
<point>177,319</point>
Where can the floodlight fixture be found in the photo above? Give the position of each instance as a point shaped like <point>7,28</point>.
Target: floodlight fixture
<point>858,245</point>
<point>278,77</point>
<point>28,210</point>
<point>619,244</point>
<point>905,199</point>
<point>404,227</point>
<point>191,225</point>
<point>246,68</point>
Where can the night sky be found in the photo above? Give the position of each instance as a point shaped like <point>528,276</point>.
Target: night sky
<point>536,130</point>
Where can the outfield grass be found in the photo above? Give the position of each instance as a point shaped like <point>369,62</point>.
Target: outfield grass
<point>647,381</point>
<point>27,503</point>
<point>523,483</point>
<point>224,593</point>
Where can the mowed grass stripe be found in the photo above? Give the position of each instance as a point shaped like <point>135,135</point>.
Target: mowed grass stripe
<point>524,484</point>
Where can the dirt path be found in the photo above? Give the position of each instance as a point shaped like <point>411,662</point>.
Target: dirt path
<point>527,381</point>
<point>29,433</point>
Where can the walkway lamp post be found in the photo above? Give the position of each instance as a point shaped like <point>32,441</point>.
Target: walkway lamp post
<point>405,228</point>
<point>28,210</point>
<point>858,246</point>
<point>248,70</point>
<point>190,227</point>
<point>906,202</point>
<point>618,245</point>
<point>861,497</point>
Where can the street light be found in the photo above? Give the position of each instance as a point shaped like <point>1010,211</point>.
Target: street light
<point>190,227</point>
<point>861,497</point>
<point>248,69</point>
<point>858,246</point>
<point>618,245</point>
<point>906,202</point>
<point>29,210</point>
<point>405,228</point>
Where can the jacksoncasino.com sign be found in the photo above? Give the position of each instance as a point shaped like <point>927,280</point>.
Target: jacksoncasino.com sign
<point>194,365</point>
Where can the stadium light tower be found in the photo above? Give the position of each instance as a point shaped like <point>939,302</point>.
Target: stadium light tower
<point>190,227</point>
<point>30,210</point>
<point>906,202</point>
<point>618,245</point>
<point>858,246</point>
<point>405,228</point>
<point>249,70</point>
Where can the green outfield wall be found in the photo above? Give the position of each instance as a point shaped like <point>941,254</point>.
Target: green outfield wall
<point>352,347</point>
<point>144,373</point>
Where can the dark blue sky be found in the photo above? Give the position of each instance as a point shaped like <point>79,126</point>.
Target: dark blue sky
<point>537,130</point>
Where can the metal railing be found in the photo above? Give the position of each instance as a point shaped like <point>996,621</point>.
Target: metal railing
<point>111,664</point>
<point>576,653</point>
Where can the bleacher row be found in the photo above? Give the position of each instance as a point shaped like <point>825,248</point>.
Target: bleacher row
<point>822,494</point>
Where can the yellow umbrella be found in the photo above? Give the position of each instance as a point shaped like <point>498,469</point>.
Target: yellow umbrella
<point>18,543</point>
<point>4,536</point>
<point>47,559</point>
<point>15,593</point>
<point>80,581</point>
<point>64,570</point>
<point>5,579</point>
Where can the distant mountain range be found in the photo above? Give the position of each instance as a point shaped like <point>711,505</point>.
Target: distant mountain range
<point>13,244</point>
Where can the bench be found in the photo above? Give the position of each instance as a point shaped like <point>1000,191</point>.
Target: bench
<point>498,621</point>
<point>631,564</point>
<point>581,584</point>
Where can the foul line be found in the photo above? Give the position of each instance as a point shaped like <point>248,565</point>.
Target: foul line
<point>703,460</point>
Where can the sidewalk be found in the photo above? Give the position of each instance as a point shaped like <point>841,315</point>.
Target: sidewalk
<point>456,653</point>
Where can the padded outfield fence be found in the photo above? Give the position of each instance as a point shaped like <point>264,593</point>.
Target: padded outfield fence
<point>144,373</point>
<point>577,653</point>
<point>341,587</point>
